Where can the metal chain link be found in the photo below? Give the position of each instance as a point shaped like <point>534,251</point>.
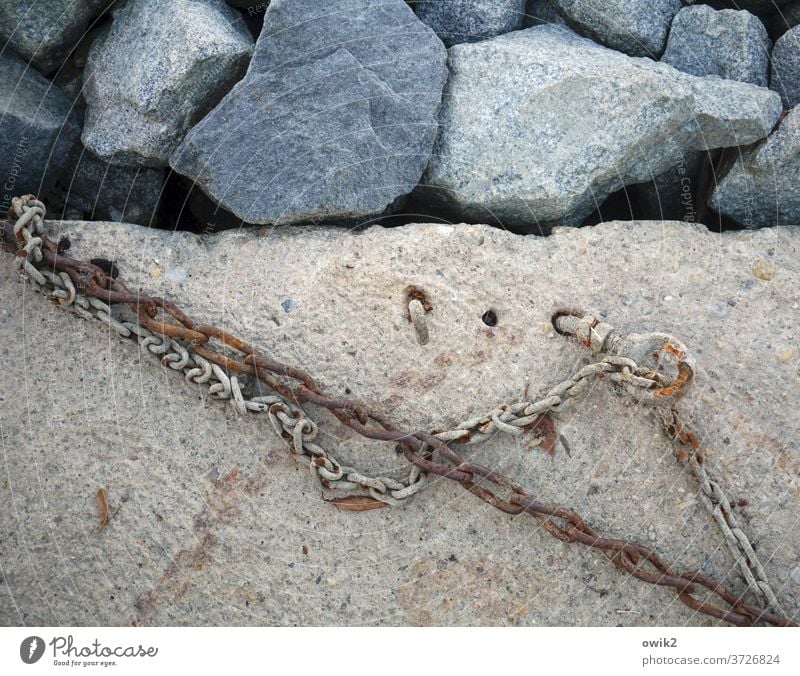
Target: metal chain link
<point>184,348</point>
<point>292,423</point>
<point>688,451</point>
<point>517,419</point>
<point>600,336</point>
<point>288,420</point>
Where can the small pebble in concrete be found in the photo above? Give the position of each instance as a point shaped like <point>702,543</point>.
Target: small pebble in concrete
<point>764,269</point>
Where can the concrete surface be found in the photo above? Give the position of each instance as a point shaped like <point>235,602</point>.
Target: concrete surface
<point>214,523</point>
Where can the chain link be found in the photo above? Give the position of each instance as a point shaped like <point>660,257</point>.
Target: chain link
<point>289,421</point>
<point>87,291</point>
<point>600,336</point>
<point>689,452</point>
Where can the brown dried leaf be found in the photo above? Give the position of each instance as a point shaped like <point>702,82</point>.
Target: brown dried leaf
<point>357,503</point>
<point>101,498</point>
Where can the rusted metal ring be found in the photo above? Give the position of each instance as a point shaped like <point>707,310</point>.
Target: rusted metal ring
<point>685,372</point>
<point>640,347</point>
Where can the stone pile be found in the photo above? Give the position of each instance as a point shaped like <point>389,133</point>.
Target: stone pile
<point>519,113</point>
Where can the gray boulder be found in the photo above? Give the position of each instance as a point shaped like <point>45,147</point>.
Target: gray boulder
<point>728,43</point>
<point>103,191</point>
<point>69,77</point>
<point>37,131</point>
<point>636,27</point>
<point>541,125</point>
<point>44,32</point>
<point>785,74</point>
<point>335,118</point>
<point>760,190</point>
<point>458,21</point>
<point>160,68</point>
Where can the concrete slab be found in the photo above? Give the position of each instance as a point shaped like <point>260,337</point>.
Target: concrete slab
<point>214,523</point>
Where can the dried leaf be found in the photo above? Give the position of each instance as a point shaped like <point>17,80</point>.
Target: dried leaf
<point>101,498</point>
<point>357,503</point>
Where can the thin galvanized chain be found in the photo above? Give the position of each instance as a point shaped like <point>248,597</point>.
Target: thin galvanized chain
<point>87,290</point>
<point>300,431</point>
<point>28,225</point>
<point>520,418</point>
<point>600,336</point>
<point>288,421</point>
<point>688,451</point>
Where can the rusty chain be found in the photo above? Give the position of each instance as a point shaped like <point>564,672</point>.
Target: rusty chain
<point>600,337</point>
<point>205,354</point>
<point>689,452</point>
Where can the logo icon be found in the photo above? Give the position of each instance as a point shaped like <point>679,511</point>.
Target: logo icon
<point>31,649</point>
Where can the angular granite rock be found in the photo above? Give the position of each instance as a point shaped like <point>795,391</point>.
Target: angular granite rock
<point>760,190</point>
<point>38,129</point>
<point>214,523</point>
<point>44,32</point>
<point>636,27</point>
<point>728,43</point>
<point>539,126</point>
<point>160,68</point>
<point>335,118</point>
<point>785,73</point>
<point>458,21</point>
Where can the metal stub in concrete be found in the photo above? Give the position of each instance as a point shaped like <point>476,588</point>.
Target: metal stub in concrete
<point>418,303</point>
<point>417,312</point>
<point>211,521</point>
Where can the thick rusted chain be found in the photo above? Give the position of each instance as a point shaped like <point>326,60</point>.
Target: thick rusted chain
<point>624,554</point>
<point>417,447</point>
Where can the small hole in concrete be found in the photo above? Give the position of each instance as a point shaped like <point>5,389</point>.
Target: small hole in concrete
<point>489,318</point>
